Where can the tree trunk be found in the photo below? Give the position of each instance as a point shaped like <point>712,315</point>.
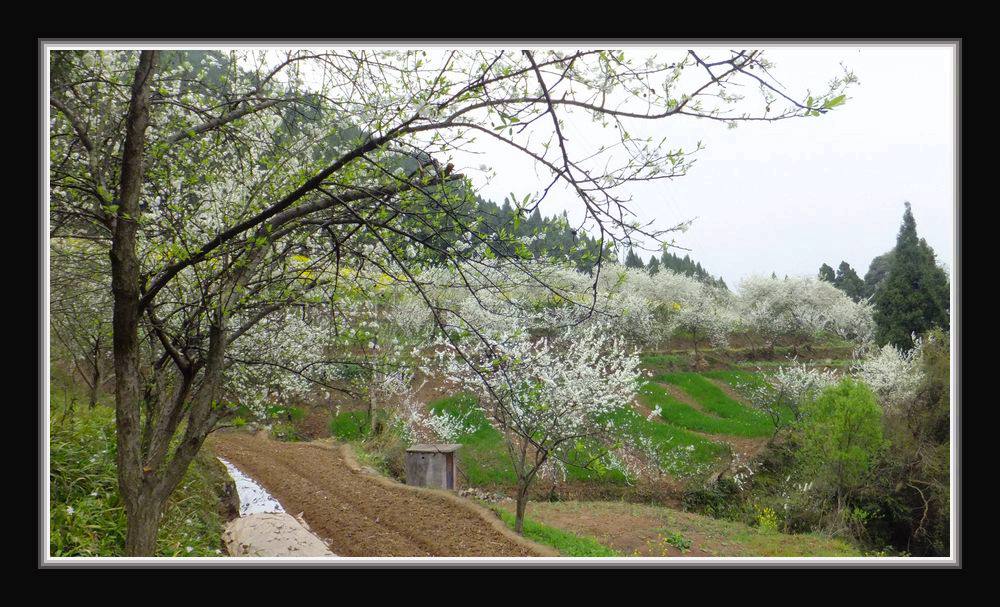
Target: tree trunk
<point>125,271</point>
<point>522,503</point>
<point>143,523</point>
<point>372,410</point>
<point>95,384</point>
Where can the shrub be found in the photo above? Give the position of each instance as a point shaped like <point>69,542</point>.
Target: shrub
<point>841,435</point>
<point>910,498</point>
<point>767,519</point>
<point>719,499</point>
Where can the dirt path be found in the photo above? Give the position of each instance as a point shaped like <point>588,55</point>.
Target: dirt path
<point>644,530</point>
<point>359,515</point>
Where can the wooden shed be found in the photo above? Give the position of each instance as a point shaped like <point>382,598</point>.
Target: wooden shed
<point>432,466</point>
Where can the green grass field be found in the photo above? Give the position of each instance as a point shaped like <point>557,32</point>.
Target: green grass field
<point>736,418</point>
<point>686,416</point>
<point>640,530</point>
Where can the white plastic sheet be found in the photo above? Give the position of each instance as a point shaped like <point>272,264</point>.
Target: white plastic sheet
<point>254,499</point>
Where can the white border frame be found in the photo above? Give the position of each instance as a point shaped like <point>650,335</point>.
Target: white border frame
<point>47,561</point>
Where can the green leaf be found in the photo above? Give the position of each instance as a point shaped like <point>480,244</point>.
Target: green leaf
<point>832,103</point>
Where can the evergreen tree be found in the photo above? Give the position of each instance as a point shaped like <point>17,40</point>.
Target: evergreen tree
<point>669,261</point>
<point>848,281</point>
<point>654,265</point>
<point>826,273</point>
<point>877,272</point>
<point>535,220</point>
<point>632,260</point>
<point>914,296</point>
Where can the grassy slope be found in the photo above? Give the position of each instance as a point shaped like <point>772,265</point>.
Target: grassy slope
<point>708,536</point>
<point>742,420</point>
<point>685,416</point>
<point>736,379</point>
<point>568,544</point>
<point>484,461</point>
<point>678,432</point>
<point>85,510</point>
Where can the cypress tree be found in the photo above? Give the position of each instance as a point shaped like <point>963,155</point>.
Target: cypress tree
<point>914,295</point>
<point>826,273</point>
<point>654,265</point>
<point>848,281</point>
<point>632,260</point>
<point>877,272</point>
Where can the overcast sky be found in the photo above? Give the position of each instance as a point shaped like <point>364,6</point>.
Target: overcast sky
<point>789,196</point>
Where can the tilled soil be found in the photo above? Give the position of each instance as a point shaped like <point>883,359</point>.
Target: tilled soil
<point>355,514</point>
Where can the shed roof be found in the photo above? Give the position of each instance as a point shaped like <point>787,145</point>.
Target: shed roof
<point>436,448</point>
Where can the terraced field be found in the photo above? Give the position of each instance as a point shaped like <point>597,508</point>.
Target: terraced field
<point>483,458</point>
<point>702,421</point>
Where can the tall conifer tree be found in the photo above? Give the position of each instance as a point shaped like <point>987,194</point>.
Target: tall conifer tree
<point>914,296</point>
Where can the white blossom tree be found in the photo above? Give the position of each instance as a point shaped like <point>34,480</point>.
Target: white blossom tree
<point>786,392</point>
<point>799,309</point>
<point>79,306</point>
<point>707,314</point>
<point>894,375</point>
<point>545,396</point>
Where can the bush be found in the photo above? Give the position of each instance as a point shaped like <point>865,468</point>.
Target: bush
<point>285,431</point>
<point>384,451</point>
<point>349,425</point>
<point>910,500</point>
<point>720,499</point>
<point>767,519</point>
<point>841,435</point>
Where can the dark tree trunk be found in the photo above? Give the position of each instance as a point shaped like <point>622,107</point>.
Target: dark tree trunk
<point>132,482</point>
<point>143,524</point>
<point>92,396</point>
<point>372,409</point>
<point>95,381</point>
<point>522,504</point>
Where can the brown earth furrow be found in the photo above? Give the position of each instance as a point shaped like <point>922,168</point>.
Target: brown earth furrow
<point>373,512</point>
<point>324,510</point>
<point>355,514</point>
